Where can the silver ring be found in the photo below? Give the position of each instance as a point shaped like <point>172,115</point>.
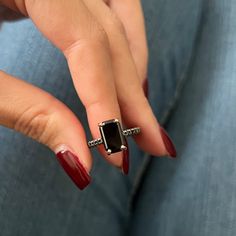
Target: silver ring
<point>112,136</point>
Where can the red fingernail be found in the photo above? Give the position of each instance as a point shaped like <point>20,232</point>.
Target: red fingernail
<point>125,162</point>
<point>145,87</point>
<point>74,168</point>
<point>168,143</point>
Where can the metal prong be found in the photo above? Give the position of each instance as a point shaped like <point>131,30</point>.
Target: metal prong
<point>123,147</point>
<point>101,124</point>
<point>109,151</point>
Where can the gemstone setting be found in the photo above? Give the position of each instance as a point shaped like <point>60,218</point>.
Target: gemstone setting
<point>111,133</point>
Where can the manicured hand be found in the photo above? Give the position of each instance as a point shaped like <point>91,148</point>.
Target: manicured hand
<point>105,47</point>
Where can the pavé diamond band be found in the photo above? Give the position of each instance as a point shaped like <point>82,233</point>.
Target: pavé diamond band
<point>112,136</point>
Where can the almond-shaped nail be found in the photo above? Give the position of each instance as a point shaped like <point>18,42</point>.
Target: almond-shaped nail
<point>125,161</point>
<point>168,143</point>
<point>73,167</point>
<point>145,87</point>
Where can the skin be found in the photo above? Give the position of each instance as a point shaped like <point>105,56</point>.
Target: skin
<point>106,51</point>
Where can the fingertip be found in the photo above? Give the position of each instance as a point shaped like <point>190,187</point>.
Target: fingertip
<point>73,165</point>
<point>81,156</point>
<point>169,145</point>
<point>125,160</point>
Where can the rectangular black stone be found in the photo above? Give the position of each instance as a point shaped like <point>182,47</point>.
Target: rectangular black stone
<point>111,135</point>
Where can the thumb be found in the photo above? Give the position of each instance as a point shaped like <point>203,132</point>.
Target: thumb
<point>39,115</point>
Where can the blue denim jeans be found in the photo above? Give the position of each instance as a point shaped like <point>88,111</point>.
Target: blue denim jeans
<point>192,78</point>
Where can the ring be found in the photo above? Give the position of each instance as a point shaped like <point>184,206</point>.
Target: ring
<point>112,136</point>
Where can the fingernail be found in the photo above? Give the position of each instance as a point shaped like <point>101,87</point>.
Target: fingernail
<point>125,162</point>
<point>74,168</point>
<point>145,87</point>
<point>168,143</point>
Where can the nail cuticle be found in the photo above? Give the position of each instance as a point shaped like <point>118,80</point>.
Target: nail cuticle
<point>74,168</point>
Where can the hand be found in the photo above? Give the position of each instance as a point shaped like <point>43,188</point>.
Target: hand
<point>104,56</point>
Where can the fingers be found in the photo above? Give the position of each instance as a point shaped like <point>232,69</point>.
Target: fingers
<point>97,50</point>
<point>135,31</point>
<point>8,14</point>
<point>37,114</point>
<point>134,106</point>
<point>86,47</point>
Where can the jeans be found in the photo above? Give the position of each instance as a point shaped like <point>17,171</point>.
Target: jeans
<point>192,90</point>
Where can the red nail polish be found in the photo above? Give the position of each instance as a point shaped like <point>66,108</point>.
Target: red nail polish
<point>74,168</point>
<point>125,162</point>
<point>145,87</point>
<point>168,143</point>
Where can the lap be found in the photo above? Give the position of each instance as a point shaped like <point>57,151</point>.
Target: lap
<point>36,196</point>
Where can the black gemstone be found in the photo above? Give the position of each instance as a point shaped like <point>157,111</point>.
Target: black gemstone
<point>112,135</point>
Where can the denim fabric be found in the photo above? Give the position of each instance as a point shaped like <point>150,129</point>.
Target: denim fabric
<point>196,195</point>
<point>192,92</point>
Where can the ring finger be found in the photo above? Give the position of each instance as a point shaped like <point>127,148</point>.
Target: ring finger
<point>134,106</point>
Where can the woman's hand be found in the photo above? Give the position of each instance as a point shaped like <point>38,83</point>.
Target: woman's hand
<point>105,47</point>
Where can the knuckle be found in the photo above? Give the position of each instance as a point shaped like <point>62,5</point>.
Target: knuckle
<point>115,24</point>
<point>98,34</point>
<point>36,123</point>
<point>96,37</point>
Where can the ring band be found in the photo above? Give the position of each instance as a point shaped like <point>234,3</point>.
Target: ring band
<point>127,132</point>
<point>112,136</point>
